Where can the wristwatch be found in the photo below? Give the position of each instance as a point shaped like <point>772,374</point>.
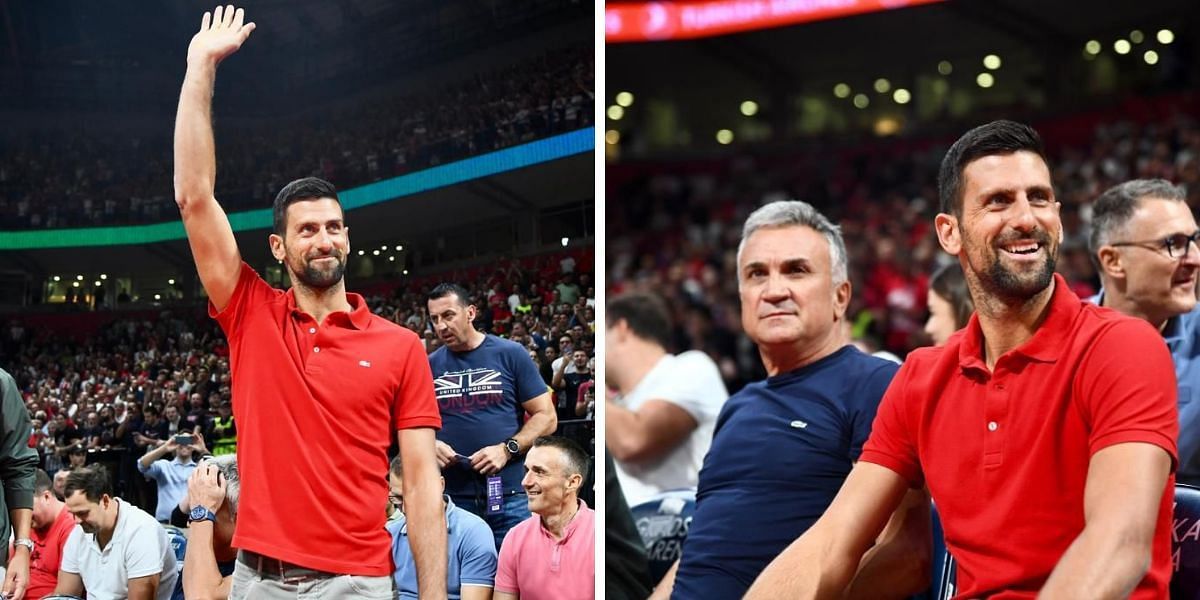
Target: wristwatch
<point>200,513</point>
<point>28,543</point>
<point>514,449</point>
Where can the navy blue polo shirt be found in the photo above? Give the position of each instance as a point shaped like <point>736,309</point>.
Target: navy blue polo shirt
<point>780,452</point>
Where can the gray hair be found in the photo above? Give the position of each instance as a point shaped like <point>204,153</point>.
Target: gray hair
<point>227,465</point>
<point>786,213</point>
<point>1113,209</point>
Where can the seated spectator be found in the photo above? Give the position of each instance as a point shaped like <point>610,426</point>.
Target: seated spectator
<point>551,554</point>
<point>118,551</point>
<point>60,483</point>
<point>172,473</point>
<point>52,523</point>
<point>471,566</point>
<point>212,494</point>
<point>950,304</point>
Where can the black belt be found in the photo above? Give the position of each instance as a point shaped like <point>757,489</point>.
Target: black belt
<point>273,568</point>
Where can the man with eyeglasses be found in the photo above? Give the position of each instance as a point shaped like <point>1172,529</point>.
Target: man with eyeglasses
<point>1143,238</point>
<point>471,564</point>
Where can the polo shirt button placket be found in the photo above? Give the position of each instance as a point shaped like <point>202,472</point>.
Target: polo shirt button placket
<point>992,426</point>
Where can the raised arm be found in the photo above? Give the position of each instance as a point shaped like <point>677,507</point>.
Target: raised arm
<point>1125,487</point>
<point>214,248</point>
<point>822,562</point>
<point>423,510</point>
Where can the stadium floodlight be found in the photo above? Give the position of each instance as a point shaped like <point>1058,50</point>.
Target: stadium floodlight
<point>1151,57</point>
<point>945,68</point>
<point>57,278</point>
<point>992,62</point>
<point>749,108</point>
<point>391,259</point>
<point>158,296</point>
<point>1092,47</point>
<point>362,252</point>
<point>79,278</point>
<point>1165,36</point>
<point>74,284</point>
<point>841,90</point>
<point>98,284</point>
<point>882,85</point>
<point>724,136</point>
<point>104,276</point>
<point>1122,46</point>
<point>406,271</point>
<point>612,137</point>
<point>375,253</point>
<point>985,80</point>
<point>901,96</point>
<point>170,282</point>
<point>861,101</point>
<point>1136,36</point>
<point>625,99</point>
<point>616,112</point>
<point>565,241</point>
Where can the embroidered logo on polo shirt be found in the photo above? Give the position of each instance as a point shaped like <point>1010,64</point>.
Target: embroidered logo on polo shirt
<point>364,363</point>
<point>799,424</point>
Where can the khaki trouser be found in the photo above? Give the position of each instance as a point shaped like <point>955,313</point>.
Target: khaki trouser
<point>250,585</point>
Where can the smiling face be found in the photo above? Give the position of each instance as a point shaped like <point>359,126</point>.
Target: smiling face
<point>1160,286</point>
<point>546,481</point>
<point>316,243</point>
<point>786,287</point>
<point>1008,233</point>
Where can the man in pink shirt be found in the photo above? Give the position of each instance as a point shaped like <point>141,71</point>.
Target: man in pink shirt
<point>551,554</point>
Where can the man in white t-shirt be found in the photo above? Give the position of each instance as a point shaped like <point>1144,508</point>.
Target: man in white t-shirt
<point>659,426</point>
<point>118,550</point>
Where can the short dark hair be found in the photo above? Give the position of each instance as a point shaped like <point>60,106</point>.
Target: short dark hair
<point>445,289</point>
<point>949,283</point>
<point>646,315</point>
<point>997,137</point>
<point>578,460</point>
<point>93,481</point>
<point>1113,209</point>
<point>396,467</point>
<point>41,482</point>
<point>307,188</point>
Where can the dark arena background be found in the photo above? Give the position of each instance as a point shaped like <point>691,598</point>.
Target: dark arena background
<point>714,108</point>
<point>458,133</point>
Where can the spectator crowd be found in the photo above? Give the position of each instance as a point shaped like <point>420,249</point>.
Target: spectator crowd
<point>55,179</point>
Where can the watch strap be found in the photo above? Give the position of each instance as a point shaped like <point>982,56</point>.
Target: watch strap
<point>28,543</point>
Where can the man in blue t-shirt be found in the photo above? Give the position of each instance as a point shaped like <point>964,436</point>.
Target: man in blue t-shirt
<point>485,386</point>
<point>472,559</point>
<point>782,447</point>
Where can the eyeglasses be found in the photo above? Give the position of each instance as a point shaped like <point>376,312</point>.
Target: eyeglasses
<point>396,500</point>
<point>1177,245</point>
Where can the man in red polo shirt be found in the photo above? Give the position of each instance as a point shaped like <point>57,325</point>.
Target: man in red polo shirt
<point>319,382</point>
<point>1045,429</point>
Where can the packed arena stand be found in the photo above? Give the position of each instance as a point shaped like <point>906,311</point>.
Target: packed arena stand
<point>102,386</point>
<point>59,178</point>
<point>682,235</point>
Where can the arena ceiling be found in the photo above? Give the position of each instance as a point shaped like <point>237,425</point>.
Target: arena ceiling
<point>1041,44</point>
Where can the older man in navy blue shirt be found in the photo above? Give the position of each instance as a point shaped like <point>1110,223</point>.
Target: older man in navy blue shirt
<point>1143,238</point>
<point>782,447</point>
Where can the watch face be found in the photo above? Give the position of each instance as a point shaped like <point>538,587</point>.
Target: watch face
<point>198,512</point>
<point>513,446</point>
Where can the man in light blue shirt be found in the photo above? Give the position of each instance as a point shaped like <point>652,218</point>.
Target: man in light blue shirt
<point>471,565</point>
<point>1143,238</point>
<point>172,474</point>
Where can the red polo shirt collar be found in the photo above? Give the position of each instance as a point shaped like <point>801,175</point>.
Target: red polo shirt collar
<point>1045,345</point>
<point>358,317</point>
